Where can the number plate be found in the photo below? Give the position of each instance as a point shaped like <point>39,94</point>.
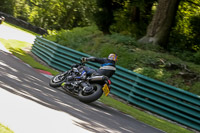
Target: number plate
<point>106,89</point>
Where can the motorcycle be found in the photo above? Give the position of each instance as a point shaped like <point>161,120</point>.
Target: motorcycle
<point>87,88</point>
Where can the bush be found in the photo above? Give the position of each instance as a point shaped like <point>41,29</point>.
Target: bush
<point>195,88</point>
<point>197,57</point>
<point>123,39</point>
<point>91,41</point>
<point>185,35</point>
<point>159,74</point>
<point>73,38</point>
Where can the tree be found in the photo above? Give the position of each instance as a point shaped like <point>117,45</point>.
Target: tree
<point>185,35</point>
<point>132,17</point>
<point>21,9</point>
<point>159,28</point>
<point>140,10</point>
<point>7,6</point>
<point>52,14</point>
<point>104,17</point>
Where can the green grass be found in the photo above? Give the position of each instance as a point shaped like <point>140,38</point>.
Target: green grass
<point>14,44</point>
<point>4,129</point>
<point>144,117</point>
<point>16,49</point>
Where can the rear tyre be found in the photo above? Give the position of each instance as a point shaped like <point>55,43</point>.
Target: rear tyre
<point>91,97</point>
<point>57,80</point>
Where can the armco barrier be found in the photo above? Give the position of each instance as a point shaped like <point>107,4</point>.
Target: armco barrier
<point>170,102</point>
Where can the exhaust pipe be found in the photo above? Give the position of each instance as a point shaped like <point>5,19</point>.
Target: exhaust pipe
<point>98,78</point>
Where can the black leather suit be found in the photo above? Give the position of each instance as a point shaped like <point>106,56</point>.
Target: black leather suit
<point>107,67</point>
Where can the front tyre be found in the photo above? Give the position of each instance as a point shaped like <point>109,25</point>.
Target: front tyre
<point>91,97</point>
<point>57,80</point>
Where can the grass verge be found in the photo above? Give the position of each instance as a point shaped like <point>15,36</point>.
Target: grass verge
<point>149,119</point>
<point>16,49</point>
<point>4,129</point>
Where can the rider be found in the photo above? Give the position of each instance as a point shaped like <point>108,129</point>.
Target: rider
<point>107,67</point>
<point>2,19</point>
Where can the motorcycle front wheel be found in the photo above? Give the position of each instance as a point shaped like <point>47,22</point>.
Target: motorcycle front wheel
<point>57,80</point>
<point>93,96</point>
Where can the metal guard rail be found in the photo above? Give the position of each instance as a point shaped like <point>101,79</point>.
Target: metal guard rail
<point>165,100</point>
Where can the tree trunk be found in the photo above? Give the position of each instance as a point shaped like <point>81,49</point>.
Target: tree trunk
<point>159,29</point>
<point>135,16</point>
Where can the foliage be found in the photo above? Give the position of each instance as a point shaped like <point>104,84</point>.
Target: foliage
<point>21,9</point>
<point>61,14</point>
<point>184,38</point>
<point>195,28</point>
<point>74,38</point>
<point>149,61</point>
<point>7,6</point>
<point>185,35</point>
<point>121,16</point>
<point>195,88</point>
<point>197,57</point>
<point>104,16</point>
<point>133,17</point>
<point>52,14</point>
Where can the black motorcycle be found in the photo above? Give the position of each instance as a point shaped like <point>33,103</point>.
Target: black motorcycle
<point>87,88</point>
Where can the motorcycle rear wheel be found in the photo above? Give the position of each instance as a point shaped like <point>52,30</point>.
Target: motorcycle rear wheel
<point>57,80</point>
<point>88,98</point>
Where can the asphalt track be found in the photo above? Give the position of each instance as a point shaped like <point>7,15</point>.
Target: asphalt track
<point>29,105</point>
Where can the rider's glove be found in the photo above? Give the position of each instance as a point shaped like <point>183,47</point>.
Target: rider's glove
<point>83,59</point>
